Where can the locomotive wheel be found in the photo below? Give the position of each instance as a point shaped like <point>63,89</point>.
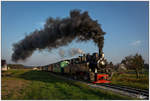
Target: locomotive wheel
<point>92,76</point>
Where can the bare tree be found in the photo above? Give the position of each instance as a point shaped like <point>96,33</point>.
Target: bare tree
<point>135,62</point>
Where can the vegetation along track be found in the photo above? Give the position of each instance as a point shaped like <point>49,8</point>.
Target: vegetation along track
<point>124,90</point>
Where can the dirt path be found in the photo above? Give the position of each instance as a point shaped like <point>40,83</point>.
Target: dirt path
<point>12,86</point>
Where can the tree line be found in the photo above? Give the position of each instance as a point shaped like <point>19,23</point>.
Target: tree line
<point>135,63</point>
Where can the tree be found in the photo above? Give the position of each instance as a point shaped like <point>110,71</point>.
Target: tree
<point>109,69</point>
<point>135,62</point>
<point>116,67</point>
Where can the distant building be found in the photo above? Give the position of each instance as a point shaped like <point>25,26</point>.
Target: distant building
<point>35,68</point>
<point>122,68</point>
<point>4,66</point>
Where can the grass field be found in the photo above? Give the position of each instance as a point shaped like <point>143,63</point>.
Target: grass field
<point>38,85</point>
<point>131,80</point>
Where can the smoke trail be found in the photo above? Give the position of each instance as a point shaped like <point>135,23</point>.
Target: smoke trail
<point>58,32</point>
<point>71,52</point>
<point>75,51</point>
<point>61,53</point>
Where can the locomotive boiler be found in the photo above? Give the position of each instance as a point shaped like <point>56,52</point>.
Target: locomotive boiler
<point>90,67</point>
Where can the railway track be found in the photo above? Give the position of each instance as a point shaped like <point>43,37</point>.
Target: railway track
<point>144,94</point>
<point>124,90</point>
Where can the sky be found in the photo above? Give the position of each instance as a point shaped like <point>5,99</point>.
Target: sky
<point>125,24</point>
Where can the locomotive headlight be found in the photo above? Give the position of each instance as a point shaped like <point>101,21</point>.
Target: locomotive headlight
<point>102,62</point>
<point>103,55</point>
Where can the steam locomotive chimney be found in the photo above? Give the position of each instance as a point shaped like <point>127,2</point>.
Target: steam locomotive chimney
<point>100,52</point>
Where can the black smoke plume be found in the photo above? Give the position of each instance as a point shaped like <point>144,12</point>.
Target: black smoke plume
<point>58,32</point>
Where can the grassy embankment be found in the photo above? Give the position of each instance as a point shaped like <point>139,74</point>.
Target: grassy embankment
<point>28,84</point>
<point>129,79</point>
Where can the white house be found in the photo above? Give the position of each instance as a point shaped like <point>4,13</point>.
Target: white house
<point>4,66</point>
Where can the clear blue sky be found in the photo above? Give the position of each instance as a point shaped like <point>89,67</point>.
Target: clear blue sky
<point>125,24</point>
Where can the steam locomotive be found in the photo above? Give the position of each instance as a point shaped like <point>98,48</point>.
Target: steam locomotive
<point>87,67</point>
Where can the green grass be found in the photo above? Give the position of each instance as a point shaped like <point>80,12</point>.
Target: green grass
<point>38,85</point>
<point>131,80</point>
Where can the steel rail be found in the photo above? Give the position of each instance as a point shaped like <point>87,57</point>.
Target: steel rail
<point>144,93</point>
<point>139,92</point>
